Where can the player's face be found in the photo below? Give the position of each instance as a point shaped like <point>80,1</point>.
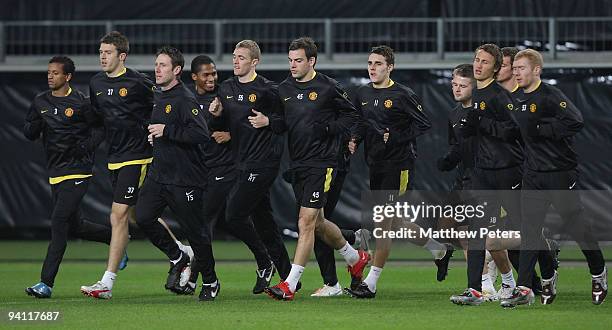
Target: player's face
<point>299,65</point>
<point>524,72</point>
<point>56,78</point>
<point>462,88</point>
<point>109,57</point>
<point>206,78</point>
<point>164,73</point>
<point>484,65</point>
<point>378,69</point>
<point>505,72</point>
<point>242,62</point>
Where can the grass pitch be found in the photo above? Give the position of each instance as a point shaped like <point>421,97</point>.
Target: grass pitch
<point>408,295</point>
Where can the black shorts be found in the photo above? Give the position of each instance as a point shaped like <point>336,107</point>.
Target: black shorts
<point>311,185</point>
<point>501,190</point>
<point>396,180</point>
<point>126,182</point>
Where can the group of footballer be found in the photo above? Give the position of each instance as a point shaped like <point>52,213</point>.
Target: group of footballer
<point>211,152</point>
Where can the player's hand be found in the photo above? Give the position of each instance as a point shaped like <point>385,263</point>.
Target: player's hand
<point>221,137</point>
<point>259,120</point>
<point>150,139</point>
<point>157,130</point>
<point>352,146</point>
<point>215,107</point>
<point>386,135</point>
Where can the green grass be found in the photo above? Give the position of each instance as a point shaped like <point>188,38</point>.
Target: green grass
<point>408,296</point>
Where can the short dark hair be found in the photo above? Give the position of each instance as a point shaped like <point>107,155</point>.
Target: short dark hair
<point>386,52</point>
<point>175,55</point>
<point>494,50</point>
<point>67,63</point>
<point>307,44</point>
<point>200,60</point>
<point>509,52</point>
<point>118,40</point>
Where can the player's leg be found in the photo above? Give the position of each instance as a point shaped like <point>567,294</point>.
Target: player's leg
<point>247,193</point>
<point>90,231</point>
<point>270,235</point>
<point>186,203</point>
<point>509,180</point>
<point>483,182</point>
<point>66,197</point>
<point>579,227</point>
<point>125,181</point>
<point>311,186</point>
<point>325,254</point>
<point>534,205</point>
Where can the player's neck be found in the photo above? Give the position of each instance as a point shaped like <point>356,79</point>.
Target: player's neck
<point>533,86</point>
<point>118,71</point>
<point>200,91</point>
<point>510,85</point>
<point>384,84</point>
<point>62,91</point>
<point>308,76</point>
<point>248,77</point>
<point>466,103</point>
<point>480,84</point>
<point>170,85</point>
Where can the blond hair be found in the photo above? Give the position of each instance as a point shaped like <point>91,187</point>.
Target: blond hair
<point>252,46</point>
<point>533,56</point>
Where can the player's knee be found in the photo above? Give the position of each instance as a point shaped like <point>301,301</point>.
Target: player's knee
<point>493,244</point>
<point>319,228</point>
<point>119,218</point>
<point>306,224</point>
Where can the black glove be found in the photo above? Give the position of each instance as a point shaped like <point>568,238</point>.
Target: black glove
<point>467,128</point>
<point>546,130</point>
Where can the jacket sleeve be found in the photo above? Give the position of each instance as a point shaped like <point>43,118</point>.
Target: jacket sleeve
<point>565,118</point>
<point>220,123</point>
<point>93,101</point>
<point>34,124</point>
<point>95,122</point>
<point>347,115</point>
<point>498,121</point>
<point>418,122</point>
<point>453,156</point>
<point>192,127</point>
<point>276,115</point>
<point>359,129</point>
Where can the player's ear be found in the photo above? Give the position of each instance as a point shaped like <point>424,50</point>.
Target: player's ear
<point>176,70</point>
<point>312,61</point>
<point>122,56</point>
<point>255,61</point>
<point>537,69</point>
<point>68,77</point>
<point>194,77</point>
<point>391,66</point>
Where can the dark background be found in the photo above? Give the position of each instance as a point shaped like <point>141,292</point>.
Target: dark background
<point>131,9</point>
<point>25,198</point>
